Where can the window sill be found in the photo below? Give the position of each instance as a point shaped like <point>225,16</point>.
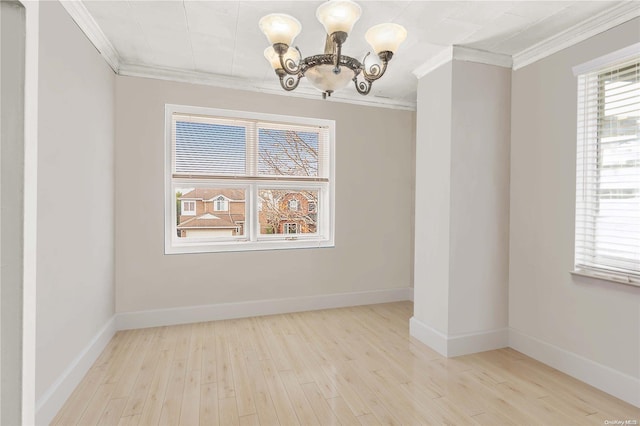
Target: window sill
<point>238,246</point>
<point>620,279</point>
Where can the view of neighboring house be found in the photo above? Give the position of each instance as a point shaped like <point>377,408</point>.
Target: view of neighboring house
<point>287,212</point>
<point>208,212</point>
<point>217,212</point>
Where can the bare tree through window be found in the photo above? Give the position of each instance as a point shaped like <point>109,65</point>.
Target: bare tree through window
<point>288,153</point>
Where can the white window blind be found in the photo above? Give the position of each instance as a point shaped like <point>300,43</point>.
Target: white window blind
<point>239,148</point>
<point>245,171</point>
<point>607,240</point>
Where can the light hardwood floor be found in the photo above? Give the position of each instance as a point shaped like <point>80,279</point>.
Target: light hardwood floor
<point>346,366</point>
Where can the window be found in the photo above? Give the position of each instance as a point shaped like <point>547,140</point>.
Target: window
<point>251,176</point>
<point>607,242</point>
<point>290,228</point>
<point>220,204</point>
<point>188,208</point>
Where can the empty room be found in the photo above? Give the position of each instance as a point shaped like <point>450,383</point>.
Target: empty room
<point>319,212</point>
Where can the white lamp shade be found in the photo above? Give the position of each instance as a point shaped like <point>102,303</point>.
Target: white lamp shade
<point>385,37</point>
<point>338,15</point>
<point>323,78</point>
<point>280,28</point>
<point>274,59</point>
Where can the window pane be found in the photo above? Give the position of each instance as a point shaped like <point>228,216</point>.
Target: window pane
<point>287,152</point>
<point>211,149</point>
<point>284,211</point>
<point>206,220</point>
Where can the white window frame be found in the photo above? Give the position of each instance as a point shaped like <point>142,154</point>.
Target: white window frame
<point>252,239</point>
<point>589,267</point>
<point>297,203</point>
<point>224,201</point>
<point>285,226</point>
<point>183,211</point>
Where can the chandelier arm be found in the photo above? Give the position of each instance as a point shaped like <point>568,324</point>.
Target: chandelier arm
<point>289,82</point>
<point>288,65</point>
<point>362,87</point>
<point>375,70</point>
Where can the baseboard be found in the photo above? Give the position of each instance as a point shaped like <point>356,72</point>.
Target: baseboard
<point>191,314</point>
<point>54,398</point>
<point>458,344</point>
<point>428,335</point>
<point>620,385</point>
<point>469,343</point>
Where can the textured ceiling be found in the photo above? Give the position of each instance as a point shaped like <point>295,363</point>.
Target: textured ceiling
<point>222,38</point>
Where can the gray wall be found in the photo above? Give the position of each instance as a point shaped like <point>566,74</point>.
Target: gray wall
<point>12,101</point>
<point>75,261</point>
<point>374,149</point>
<point>595,319</point>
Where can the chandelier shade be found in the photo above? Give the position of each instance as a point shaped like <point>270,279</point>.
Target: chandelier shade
<point>331,70</point>
<point>280,28</point>
<point>323,78</point>
<point>385,37</point>
<point>338,15</point>
<point>274,59</point>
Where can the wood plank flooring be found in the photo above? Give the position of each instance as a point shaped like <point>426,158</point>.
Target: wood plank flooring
<point>350,366</point>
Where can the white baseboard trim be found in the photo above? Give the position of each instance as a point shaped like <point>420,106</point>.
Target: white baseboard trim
<point>54,398</point>
<point>458,344</point>
<point>481,341</point>
<point>428,335</point>
<point>613,382</point>
<point>191,314</point>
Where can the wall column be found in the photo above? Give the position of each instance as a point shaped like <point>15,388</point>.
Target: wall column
<point>462,204</point>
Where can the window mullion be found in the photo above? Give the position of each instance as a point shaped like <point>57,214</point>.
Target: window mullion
<point>252,170</point>
<point>252,213</point>
<point>252,150</point>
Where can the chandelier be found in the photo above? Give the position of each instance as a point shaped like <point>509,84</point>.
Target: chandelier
<point>331,70</point>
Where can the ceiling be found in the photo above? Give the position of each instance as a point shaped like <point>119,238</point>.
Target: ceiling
<point>220,40</point>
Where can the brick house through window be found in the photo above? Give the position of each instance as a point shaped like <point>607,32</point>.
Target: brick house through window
<point>213,212</point>
<point>288,212</point>
<point>218,213</point>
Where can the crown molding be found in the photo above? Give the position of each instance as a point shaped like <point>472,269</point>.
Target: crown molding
<point>462,53</point>
<point>595,25</point>
<point>441,58</point>
<point>197,77</point>
<point>79,13</point>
